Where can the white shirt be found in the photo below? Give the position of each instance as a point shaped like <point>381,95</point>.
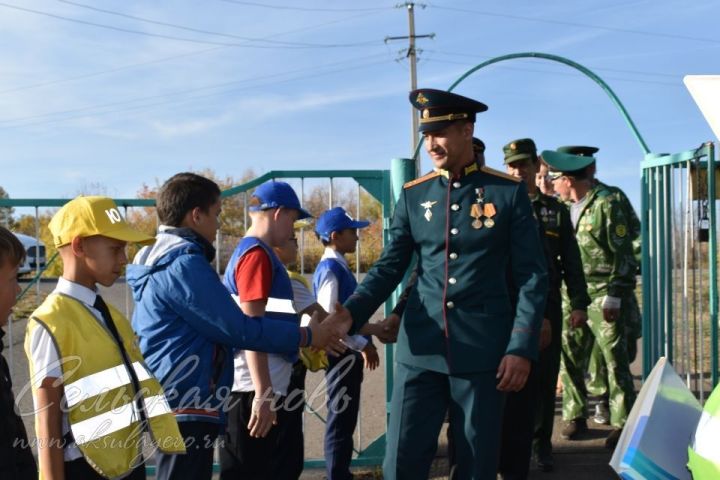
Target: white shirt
<point>44,355</point>
<point>327,296</point>
<point>303,298</point>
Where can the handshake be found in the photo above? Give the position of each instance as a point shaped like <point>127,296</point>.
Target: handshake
<point>328,333</point>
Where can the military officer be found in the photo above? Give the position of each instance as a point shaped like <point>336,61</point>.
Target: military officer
<point>606,249</point>
<point>596,384</point>
<point>460,344</point>
<point>522,161</point>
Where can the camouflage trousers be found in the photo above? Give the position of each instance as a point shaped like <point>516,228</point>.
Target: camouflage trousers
<point>596,383</point>
<point>611,339</point>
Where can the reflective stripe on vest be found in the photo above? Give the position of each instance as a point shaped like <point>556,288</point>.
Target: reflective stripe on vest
<point>703,455</point>
<point>109,422</point>
<point>280,305</point>
<point>102,382</point>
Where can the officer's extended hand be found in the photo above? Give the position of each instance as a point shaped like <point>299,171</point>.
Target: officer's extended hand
<point>611,314</point>
<point>390,327</point>
<point>513,373</point>
<point>578,318</point>
<point>327,335</point>
<point>545,334</point>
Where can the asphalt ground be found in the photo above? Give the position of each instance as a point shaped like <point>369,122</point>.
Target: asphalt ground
<point>586,458</point>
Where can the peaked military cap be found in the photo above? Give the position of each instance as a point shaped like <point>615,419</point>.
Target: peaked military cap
<point>520,149</point>
<point>439,108</point>
<point>478,145</point>
<point>579,150</point>
<point>560,163</point>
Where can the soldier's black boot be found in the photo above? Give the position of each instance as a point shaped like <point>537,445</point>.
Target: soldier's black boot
<point>574,428</point>
<point>612,439</point>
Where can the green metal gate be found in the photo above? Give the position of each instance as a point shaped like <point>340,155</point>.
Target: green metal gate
<point>679,264</point>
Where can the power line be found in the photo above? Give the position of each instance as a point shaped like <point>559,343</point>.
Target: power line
<point>304,9</point>
<point>575,24</point>
<point>172,95</point>
<point>188,99</point>
<point>181,39</point>
<point>174,57</point>
<point>186,28</point>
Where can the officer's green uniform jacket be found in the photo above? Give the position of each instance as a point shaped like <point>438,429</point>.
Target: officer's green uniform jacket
<point>459,318</point>
<point>563,247</point>
<point>605,238</point>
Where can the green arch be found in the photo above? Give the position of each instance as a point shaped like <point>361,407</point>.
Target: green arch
<point>566,61</point>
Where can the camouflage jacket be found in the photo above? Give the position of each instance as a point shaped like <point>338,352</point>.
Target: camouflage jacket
<point>605,236</point>
<point>633,220</point>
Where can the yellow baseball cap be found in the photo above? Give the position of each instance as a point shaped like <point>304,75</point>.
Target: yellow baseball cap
<point>88,216</point>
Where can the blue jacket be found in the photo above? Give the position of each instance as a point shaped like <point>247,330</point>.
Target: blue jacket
<point>188,325</point>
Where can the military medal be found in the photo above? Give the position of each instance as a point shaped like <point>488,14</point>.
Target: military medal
<point>427,206</point>
<point>476,212</point>
<point>489,211</point>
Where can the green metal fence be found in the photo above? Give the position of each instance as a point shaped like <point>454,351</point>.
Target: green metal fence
<point>679,264</point>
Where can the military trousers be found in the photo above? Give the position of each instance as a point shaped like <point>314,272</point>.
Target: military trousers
<point>548,369</point>
<point>419,402</point>
<point>597,382</point>
<point>577,344</point>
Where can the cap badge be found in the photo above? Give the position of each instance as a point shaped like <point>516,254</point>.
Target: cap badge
<point>427,206</point>
<point>513,146</point>
<point>421,99</point>
<point>426,113</point>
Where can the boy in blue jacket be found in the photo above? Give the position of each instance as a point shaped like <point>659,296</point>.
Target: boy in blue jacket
<point>188,324</point>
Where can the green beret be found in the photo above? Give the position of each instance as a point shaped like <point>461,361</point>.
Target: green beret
<point>439,108</point>
<point>579,150</point>
<point>564,162</point>
<point>520,149</point>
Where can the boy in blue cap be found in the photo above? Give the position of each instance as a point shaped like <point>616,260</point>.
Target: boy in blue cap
<point>333,282</point>
<point>257,279</point>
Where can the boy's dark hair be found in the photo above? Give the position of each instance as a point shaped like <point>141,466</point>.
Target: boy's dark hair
<point>10,248</point>
<point>323,241</point>
<point>183,192</point>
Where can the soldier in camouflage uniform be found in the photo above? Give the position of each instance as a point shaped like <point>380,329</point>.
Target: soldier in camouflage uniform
<point>565,264</point>
<point>606,247</point>
<point>597,383</point>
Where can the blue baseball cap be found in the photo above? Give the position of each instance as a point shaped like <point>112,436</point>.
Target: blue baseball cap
<point>274,194</point>
<point>334,220</point>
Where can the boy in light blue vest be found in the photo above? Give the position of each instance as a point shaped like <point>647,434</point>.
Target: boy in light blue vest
<point>333,282</point>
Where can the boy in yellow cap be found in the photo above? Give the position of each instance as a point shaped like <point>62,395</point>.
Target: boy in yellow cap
<point>93,394</point>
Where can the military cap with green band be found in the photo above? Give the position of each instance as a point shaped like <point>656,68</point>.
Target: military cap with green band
<point>560,163</point>
<point>579,150</point>
<point>520,149</point>
<point>439,108</point>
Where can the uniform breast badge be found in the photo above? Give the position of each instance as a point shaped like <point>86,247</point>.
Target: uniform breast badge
<point>427,206</point>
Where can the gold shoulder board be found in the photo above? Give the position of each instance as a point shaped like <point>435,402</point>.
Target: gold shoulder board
<point>420,180</point>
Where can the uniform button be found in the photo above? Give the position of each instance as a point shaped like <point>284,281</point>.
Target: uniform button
<point>454,231</point>
<point>450,304</point>
<point>453,256</point>
<point>452,281</point>
<point>455,207</point>
<point>456,184</point>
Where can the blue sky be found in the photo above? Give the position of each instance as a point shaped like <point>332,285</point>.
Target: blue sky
<point>285,84</point>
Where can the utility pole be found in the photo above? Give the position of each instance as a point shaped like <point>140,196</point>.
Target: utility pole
<point>411,54</point>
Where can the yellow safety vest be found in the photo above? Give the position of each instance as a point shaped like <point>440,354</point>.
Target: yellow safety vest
<point>102,413</point>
